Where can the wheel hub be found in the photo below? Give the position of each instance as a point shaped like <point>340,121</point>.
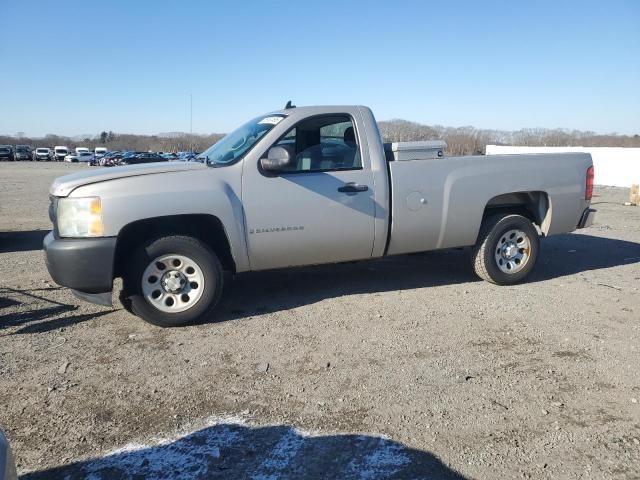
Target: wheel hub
<point>173,281</point>
<point>513,251</point>
<point>509,250</point>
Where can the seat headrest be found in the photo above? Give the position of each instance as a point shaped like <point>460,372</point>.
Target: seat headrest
<point>349,135</point>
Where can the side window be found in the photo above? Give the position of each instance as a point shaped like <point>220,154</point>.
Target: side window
<point>323,143</point>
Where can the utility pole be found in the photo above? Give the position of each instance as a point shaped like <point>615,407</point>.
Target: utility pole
<point>191,123</point>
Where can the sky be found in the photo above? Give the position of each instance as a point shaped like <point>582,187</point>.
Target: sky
<point>79,67</point>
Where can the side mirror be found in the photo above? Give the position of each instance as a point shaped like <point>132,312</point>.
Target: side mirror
<point>277,159</point>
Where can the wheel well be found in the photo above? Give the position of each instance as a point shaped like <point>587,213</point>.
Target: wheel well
<point>533,205</point>
<point>207,228</point>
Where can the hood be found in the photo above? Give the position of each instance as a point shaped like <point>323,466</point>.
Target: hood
<point>63,186</point>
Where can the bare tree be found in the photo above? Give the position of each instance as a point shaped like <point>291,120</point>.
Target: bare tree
<point>460,140</point>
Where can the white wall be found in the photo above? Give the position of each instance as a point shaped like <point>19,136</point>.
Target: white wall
<point>617,166</point>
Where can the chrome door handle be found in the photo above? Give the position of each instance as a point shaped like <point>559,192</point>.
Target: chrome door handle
<point>353,187</point>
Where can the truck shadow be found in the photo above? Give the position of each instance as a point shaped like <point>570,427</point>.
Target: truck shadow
<point>22,241</point>
<point>277,290</point>
<point>31,312</point>
<point>569,254</point>
<point>236,451</point>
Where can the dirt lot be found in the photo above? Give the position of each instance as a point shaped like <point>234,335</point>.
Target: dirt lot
<point>463,378</point>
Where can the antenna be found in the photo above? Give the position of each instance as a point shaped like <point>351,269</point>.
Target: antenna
<point>288,106</point>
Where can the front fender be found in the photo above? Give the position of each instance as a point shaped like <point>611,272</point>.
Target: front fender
<point>214,191</point>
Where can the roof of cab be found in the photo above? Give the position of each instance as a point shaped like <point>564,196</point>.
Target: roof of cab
<point>315,110</point>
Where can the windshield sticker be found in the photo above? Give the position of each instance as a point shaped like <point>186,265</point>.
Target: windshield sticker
<point>271,120</point>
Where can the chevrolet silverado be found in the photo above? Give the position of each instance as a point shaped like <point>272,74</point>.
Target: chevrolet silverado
<point>301,186</point>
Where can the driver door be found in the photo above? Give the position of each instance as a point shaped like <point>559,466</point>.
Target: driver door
<point>318,209</point>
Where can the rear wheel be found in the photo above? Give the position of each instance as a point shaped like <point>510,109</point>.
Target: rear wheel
<point>507,249</point>
<point>173,281</point>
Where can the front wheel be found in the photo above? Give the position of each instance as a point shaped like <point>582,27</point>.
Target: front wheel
<point>507,249</point>
<point>173,281</point>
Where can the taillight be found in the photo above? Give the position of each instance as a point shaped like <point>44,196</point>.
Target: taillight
<point>588,191</point>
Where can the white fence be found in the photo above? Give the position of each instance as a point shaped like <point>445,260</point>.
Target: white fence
<point>619,167</point>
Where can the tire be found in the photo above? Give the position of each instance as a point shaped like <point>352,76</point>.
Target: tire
<point>184,292</point>
<point>507,249</point>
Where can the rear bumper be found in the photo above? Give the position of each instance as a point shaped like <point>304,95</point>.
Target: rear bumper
<point>83,264</point>
<point>587,218</point>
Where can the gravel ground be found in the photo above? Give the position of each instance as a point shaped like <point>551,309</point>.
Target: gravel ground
<point>463,379</point>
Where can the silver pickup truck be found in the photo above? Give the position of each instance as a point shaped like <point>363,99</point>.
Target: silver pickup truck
<point>301,186</point>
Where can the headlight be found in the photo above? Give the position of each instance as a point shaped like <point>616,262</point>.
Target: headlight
<point>80,217</point>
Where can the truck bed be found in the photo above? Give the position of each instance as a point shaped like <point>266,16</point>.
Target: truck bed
<point>439,203</point>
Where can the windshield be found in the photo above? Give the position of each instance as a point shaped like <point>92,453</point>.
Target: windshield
<point>235,145</point>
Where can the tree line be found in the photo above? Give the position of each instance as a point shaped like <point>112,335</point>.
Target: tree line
<point>472,141</point>
<point>460,140</point>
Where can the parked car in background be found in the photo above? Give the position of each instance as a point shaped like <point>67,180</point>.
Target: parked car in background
<point>109,158</point>
<point>114,160</point>
<point>60,152</point>
<point>100,152</point>
<point>23,152</point>
<point>86,157</point>
<point>170,156</point>
<point>143,157</point>
<point>6,153</point>
<point>7,464</point>
<point>189,157</point>
<point>42,154</point>
<point>81,149</point>
<point>129,153</point>
<point>83,156</point>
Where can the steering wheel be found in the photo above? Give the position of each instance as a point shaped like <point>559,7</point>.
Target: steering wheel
<point>239,145</point>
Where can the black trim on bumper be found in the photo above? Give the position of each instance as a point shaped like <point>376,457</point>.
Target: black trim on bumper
<point>83,264</point>
<point>587,218</point>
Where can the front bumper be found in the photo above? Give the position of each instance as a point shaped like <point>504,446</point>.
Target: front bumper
<point>587,218</point>
<point>82,264</point>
